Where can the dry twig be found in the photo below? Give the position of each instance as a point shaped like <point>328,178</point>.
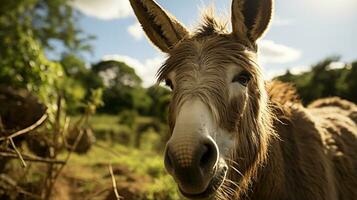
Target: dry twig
<point>65,131</point>
<point>118,197</point>
<point>30,128</point>
<point>32,158</point>
<point>53,178</point>
<point>18,153</point>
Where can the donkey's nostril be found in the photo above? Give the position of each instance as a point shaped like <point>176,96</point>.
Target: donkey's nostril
<point>209,156</point>
<point>205,155</point>
<point>191,164</point>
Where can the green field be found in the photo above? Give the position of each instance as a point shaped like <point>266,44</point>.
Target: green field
<point>138,172</point>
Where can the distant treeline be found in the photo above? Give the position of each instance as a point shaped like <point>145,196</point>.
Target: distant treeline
<point>325,79</point>
<point>122,88</point>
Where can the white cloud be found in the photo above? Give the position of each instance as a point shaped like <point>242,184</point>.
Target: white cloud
<point>299,69</point>
<point>271,52</point>
<point>146,70</point>
<point>270,73</point>
<point>136,31</point>
<point>278,21</point>
<point>104,9</point>
<point>337,65</point>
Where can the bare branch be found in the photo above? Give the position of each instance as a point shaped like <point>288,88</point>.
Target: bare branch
<point>18,153</point>
<point>31,158</point>
<point>30,128</point>
<point>114,183</point>
<point>58,172</point>
<point>65,131</point>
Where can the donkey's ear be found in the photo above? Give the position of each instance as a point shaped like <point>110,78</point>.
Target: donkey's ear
<point>161,28</point>
<point>250,18</point>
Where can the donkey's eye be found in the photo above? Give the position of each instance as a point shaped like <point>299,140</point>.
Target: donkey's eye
<point>168,83</point>
<point>243,78</point>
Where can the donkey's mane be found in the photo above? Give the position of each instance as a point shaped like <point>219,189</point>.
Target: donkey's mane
<point>210,24</point>
<point>282,97</point>
<point>281,93</point>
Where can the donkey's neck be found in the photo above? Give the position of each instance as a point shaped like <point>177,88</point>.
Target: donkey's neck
<point>286,170</point>
<point>270,179</point>
<point>267,181</point>
<point>270,182</point>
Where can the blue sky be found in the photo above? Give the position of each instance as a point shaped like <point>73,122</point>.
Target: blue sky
<point>303,32</point>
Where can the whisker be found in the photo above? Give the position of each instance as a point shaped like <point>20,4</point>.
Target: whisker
<point>232,182</point>
<point>228,191</point>
<point>230,160</point>
<point>236,170</point>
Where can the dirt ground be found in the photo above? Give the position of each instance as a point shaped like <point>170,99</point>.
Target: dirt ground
<point>130,186</point>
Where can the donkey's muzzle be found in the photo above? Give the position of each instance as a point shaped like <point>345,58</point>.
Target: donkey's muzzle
<point>192,163</point>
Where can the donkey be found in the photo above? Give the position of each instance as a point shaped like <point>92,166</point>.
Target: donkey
<point>235,136</point>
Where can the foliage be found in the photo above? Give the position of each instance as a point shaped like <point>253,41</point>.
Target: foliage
<point>49,21</point>
<point>161,98</point>
<point>123,89</point>
<point>79,84</point>
<point>128,117</point>
<point>44,144</point>
<point>130,129</point>
<point>323,80</point>
<point>347,83</point>
<point>23,64</point>
<point>95,101</point>
<point>116,74</point>
<point>27,29</point>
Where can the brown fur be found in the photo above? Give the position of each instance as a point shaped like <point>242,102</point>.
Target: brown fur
<point>283,150</point>
<point>309,155</point>
<point>316,155</point>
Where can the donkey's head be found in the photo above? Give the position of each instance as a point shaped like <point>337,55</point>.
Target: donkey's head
<point>219,117</point>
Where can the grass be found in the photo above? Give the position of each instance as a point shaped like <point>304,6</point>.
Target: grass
<point>139,171</point>
<point>103,122</point>
<point>146,168</point>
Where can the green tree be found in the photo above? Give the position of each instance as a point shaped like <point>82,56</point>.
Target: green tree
<point>117,74</point>
<point>48,21</point>
<point>80,81</point>
<point>324,81</point>
<point>28,28</point>
<point>23,64</point>
<point>347,83</point>
<point>161,98</point>
<point>123,88</point>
